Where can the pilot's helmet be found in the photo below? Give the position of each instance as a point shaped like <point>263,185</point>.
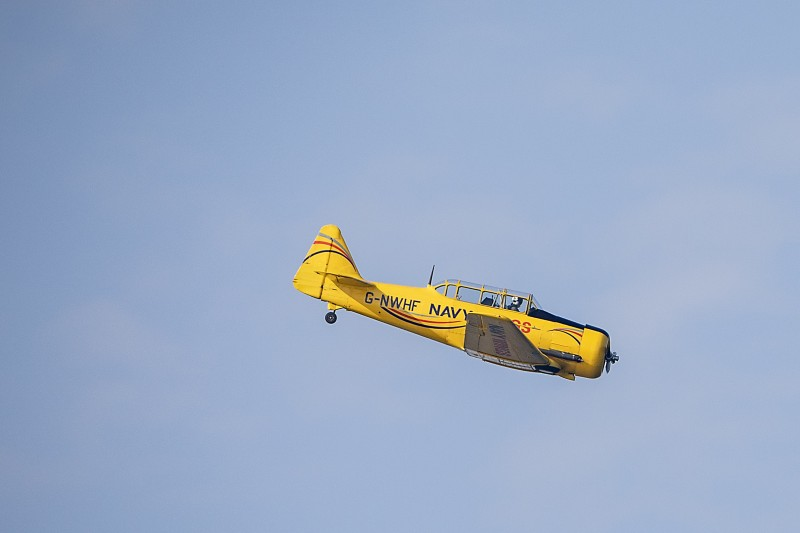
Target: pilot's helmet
<point>516,301</point>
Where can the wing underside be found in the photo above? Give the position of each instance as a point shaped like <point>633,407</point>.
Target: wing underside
<point>497,340</point>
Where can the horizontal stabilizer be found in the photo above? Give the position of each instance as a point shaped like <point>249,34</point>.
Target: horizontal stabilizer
<point>341,279</point>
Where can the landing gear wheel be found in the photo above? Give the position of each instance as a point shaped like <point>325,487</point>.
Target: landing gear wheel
<point>330,317</point>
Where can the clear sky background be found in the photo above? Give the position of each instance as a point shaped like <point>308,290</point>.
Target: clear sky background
<point>164,167</point>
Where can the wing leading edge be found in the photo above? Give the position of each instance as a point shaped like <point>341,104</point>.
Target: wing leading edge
<point>497,340</point>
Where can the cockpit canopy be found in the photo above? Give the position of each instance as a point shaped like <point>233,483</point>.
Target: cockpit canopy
<point>476,293</point>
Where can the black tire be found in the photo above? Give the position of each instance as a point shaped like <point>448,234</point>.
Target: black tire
<point>330,317</point>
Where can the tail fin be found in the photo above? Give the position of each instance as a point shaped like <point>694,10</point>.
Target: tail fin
<point>328,255</point>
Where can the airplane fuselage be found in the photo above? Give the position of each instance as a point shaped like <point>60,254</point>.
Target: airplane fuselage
<point>500,326</point>
<point>426,312</point>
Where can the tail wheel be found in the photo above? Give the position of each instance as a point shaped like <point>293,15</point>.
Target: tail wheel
<point>330,317</point>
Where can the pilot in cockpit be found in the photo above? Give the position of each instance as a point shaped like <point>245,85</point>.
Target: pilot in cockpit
<point>516,301</point>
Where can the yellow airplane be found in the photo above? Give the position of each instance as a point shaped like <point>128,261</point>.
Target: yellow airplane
<point>500,326</point>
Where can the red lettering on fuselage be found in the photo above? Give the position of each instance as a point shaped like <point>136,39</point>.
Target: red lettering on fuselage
<point>524,327</point>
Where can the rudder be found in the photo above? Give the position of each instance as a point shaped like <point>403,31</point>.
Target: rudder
<point>328,255</point>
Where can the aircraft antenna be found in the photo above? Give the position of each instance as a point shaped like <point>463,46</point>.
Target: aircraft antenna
<point>430,279</point>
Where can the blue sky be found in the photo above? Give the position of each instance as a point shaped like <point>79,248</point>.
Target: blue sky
<point>165,167</point>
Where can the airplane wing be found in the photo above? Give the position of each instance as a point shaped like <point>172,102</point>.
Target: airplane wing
<point>497,340</point>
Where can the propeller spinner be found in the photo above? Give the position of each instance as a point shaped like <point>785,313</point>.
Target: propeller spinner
<point>611,358</point>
